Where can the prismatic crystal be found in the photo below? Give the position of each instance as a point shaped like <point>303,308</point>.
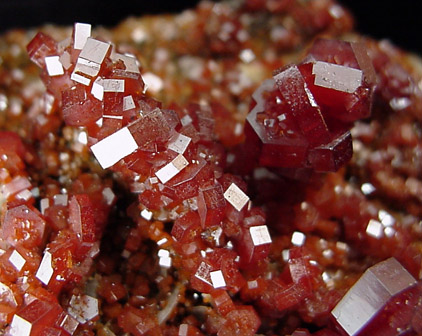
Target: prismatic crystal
<point>302,116</point>
<point>381,302</point>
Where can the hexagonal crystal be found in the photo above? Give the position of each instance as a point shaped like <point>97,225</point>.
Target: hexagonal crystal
<point>370,294</point>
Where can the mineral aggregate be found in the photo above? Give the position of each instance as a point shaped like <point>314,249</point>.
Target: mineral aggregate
<point>192,174</point>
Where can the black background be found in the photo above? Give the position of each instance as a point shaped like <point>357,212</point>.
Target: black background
<point>398,21</point>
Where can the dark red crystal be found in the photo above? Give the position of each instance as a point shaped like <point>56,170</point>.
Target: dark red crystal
<point>166,242</point>
<point>297,129</point>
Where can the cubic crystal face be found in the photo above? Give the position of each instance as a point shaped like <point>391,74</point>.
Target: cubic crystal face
<point>370,294</point>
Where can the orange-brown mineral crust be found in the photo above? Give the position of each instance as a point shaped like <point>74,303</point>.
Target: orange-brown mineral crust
<point>241,168</point>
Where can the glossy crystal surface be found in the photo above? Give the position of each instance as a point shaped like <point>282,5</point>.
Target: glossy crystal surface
<point>201,191</point>
<point>306,123</point>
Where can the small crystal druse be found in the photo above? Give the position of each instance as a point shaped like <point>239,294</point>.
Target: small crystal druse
<point>195,178</point>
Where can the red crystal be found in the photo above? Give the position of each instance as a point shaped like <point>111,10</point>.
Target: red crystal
<point>111,288</point>
<point>151,130</point>
<point>241,321</point>
<point>42,45</point>
<point>187,227</point>
<point>234,244</point>
<point>332,156</point>
<point>14,152</point>
<point>307,126</point>
<point>391,295</point>
<point>77,109</point>
<point>252,252</point>
<point>57,215</point>
<point>39,315</point>
<point>222,301</point>
<point>222,261</point>
<point>138,322</point>
<point>211,204</point>
<point>294,90</point>
<point>81,218</point>
<point>272,132</point>
<point>23,226</point>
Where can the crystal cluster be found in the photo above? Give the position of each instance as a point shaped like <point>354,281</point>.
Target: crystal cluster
<point>120,208</point>
<point>168,158</point>
<point>47,251</point>
<point>302,116</point>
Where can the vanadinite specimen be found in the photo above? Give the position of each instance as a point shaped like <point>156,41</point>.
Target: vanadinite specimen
<point>167,179</point>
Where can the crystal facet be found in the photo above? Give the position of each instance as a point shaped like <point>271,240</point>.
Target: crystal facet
<point>81,32</point>
<point>114,148</point>
<point>377,286</point>
<point>45,271</point>
<point>337,77</point>
<point>54,66</point>
<point>167,241</point>
<point>236,197</point>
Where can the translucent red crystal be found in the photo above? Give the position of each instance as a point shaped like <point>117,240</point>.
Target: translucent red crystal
<point>81,218</point>
<point>372,304</point>
<point>42,45</point>
<point>307,125</point>
<point>183,246</point>
<point>138,322</point>
<point>78,110</point>
<point>39,317</point>
<point>23,226</point>
<point>302,106</point>
<point>241,321</point>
